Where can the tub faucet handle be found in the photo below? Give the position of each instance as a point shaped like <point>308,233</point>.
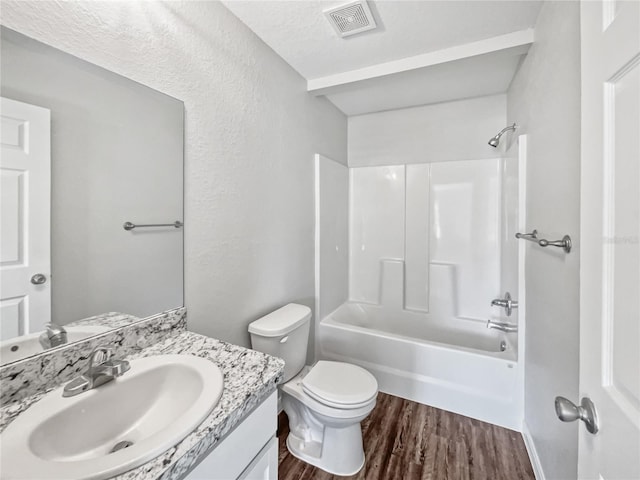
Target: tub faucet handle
<point>507,303</point>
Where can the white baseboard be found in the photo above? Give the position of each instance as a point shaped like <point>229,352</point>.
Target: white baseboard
<point>533,454</point>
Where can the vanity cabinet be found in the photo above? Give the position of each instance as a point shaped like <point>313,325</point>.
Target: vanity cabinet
<point>248,452</point>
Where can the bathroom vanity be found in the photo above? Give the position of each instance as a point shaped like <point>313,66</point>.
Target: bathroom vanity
<point>236,440</point>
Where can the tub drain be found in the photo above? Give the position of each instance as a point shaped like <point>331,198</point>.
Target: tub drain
<point>121,445</point>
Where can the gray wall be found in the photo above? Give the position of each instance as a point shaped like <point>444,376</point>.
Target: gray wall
<point>544,99</point>
<point>251,134</point>
<point>116,156</point>
<point>445,131</point>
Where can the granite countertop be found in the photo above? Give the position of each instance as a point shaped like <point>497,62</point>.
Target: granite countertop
<point>109,319</point>
<point>249,377</point>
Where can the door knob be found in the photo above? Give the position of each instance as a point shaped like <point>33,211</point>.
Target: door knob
<point>568,411</point>
<point>38,279</point>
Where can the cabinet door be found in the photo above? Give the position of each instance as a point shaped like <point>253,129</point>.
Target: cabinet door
<point>242,447</point>
<point>265,465</point>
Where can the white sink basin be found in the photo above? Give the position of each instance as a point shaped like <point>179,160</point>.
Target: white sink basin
<point>22,347</point>
<point>154,405</point>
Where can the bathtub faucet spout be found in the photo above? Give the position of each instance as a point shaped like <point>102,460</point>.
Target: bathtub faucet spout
<point>502,326</point>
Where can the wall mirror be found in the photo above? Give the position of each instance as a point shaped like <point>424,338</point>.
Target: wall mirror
<point>84,151</point>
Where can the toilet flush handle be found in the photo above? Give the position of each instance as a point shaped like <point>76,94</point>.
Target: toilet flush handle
<point>284,339</point>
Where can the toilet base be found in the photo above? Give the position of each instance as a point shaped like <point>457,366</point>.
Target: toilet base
<point>340,453</point>
<point>323,436</point>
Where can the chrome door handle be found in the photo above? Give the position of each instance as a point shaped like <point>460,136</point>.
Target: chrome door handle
<point>568,411</point>
<point>38,279</point>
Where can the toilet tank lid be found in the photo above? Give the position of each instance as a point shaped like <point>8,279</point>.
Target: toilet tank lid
<point>282,321</point>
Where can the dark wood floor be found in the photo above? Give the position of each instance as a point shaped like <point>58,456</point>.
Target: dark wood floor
<point>407,440</point>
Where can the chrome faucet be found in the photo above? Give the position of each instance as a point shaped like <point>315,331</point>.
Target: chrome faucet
<point>507,303</point>
<point>53,336</point>
<point>102,369</point>
<point>502,326</point>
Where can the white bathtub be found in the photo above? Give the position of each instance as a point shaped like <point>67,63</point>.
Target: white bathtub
<point>449,363</point>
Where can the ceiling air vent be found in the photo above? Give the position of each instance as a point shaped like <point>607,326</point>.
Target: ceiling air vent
<point>351,18</point>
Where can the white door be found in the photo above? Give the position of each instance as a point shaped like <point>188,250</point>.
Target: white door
<point>610,225</point>
<point>25,189</point>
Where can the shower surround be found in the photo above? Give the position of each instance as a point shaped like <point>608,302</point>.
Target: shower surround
<point>426,254</point>
<point>409,223</point>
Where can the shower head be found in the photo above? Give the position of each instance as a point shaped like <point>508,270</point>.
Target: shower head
<point>495,141</point>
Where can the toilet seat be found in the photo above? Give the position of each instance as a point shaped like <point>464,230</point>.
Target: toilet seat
<point>340,385</point>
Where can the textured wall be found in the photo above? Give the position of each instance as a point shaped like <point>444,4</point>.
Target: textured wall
<point>544,99</point>
<point>251,132</point>
<point>446,131</point>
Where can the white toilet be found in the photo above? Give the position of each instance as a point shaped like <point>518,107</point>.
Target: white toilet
<point>325,403</point>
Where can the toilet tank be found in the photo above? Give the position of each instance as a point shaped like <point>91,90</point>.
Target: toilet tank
<point>285,334</point>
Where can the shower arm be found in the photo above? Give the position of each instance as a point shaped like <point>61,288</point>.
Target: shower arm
<point>506,129</point>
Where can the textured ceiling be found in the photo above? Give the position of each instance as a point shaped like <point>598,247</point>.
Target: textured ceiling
<point>299,32</point>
